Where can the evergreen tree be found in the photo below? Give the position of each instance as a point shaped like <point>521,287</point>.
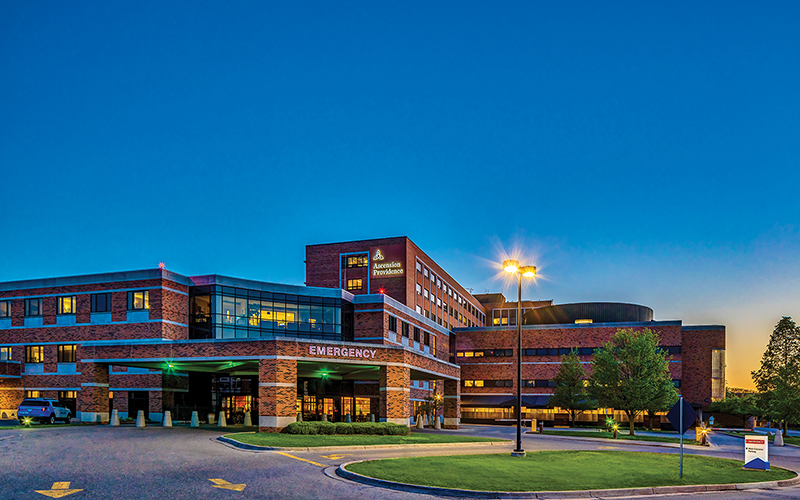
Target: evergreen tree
<point>631,373</point>
<point>778,379</point>
<point>570,392</point>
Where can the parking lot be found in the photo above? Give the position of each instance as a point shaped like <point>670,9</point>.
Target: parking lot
<point>155,462</point>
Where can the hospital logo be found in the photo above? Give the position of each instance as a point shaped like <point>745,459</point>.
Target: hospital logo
<point>378,255</point>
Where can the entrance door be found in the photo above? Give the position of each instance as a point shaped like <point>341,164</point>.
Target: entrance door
<point>138,400</point>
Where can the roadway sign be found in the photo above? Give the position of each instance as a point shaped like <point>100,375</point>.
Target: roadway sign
<point>689,416</point>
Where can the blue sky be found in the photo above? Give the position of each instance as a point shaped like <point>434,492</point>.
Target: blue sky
<point>634,152</point>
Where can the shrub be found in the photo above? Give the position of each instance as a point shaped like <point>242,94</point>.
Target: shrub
<point>343,428</point>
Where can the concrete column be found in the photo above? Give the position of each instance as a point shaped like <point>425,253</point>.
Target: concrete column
<point>395,402</point>
<point>452,404</point>
<point>277,394</point>
<point>93,396</point>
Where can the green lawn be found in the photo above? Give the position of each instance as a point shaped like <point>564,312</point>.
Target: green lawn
<point>620,435</point>
<point>300,440</point>
<point>563,470</point>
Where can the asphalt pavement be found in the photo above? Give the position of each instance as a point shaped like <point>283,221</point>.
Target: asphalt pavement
<point>181,463</point>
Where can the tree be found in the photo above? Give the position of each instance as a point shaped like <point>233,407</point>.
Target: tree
<point>741,407</point>
<point>778,379</point>
<point>570,392</point>
<point>631,373</point>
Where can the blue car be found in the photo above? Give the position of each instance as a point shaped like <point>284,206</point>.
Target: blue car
<point>43,410</point>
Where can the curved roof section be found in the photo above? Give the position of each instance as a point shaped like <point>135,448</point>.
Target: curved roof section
<point>597,312</point>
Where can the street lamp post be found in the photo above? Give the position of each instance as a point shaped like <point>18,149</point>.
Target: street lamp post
<point>513,267</point>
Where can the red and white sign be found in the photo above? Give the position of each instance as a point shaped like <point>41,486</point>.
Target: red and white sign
<point>341,352</point>
<point>756,452</point>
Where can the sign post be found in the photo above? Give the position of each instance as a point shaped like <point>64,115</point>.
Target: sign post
<point>681,416</point>
<point>756,452</point>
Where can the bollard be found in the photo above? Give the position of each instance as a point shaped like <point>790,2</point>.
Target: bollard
<point>324,417</point>
<point>437,423</point>
<point>534,426</point>
<point>222,422</point>
<point>419,421</point>
<point>114,418</point>
<point>300,417</point>
<point>248,420</point>
<point>541,427</point>
<point>426,420</point>
<point>371,417</point>
<point>348,419</point>
<point>211,418</point>
<point>167,421</point>
<point>140,419</point>
<point>195,420</point>
<point>778,438</point>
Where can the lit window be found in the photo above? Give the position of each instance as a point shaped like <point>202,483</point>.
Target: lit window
<point>5,353</point>
<point>5,309</point>
<point>33,394</point>
<point>33,307</point>
<point>139,300</point>
<point>355,284</point>
<point>469,383</point>
<point>34,354</point>
<point>66,305</point>
<point>580,321</point>
<point>479,383</point>
<point>67,394</point>
<point>66,353</point>
<point>352,261</point>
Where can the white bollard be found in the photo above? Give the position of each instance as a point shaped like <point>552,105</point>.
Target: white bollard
<point>140,419</point>
<point>248,420</point>
<point>195,420</point>
<point>114,418</point>
<point>426,420</point>
<point>324,417</point>
<point>419,422</point>
<point>778,438</point>
<point>211,418</point>
<point>167,421</point>
<point>437,423</point>
<point>222,422</point>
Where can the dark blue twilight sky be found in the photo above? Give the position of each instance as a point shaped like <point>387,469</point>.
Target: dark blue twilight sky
<point>634,152</point>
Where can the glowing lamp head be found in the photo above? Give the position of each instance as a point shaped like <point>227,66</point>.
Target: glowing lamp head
<point>161,265</point>
<point>510,266</point>
<point>528,271</point>
<point>381,290</point>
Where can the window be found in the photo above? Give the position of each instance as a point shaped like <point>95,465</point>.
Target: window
<point>487,352</point>
<point>138,300</point>
<point>433,344</point>
<point>5,309</point>
<point>34,354</point>
<point>416,334</point>
<point>101,302</point>
<point>355,284</point>
<point>419,267</point>
<point>5,353</point>
<point>427,338</point>
<point>33,394</point>
<point>419,289</point>
<point>352,261</point>
<point>676,383</point>
<point>66,353</point>
<point>67,395</point>
<point>673,349</point>
<point>425,272</point>
<point>66,305</point>
<point>33,307</point>
<point>405,329</point>
<point>392,324</point>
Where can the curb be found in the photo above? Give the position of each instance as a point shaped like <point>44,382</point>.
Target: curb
<point>252,447</point>
<point>629,442</point>
<point>620,492</point>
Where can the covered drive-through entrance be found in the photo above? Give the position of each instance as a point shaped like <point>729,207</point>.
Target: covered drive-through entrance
<point>277,381</point>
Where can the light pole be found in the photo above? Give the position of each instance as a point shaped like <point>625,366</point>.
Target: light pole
<point>513,267</point>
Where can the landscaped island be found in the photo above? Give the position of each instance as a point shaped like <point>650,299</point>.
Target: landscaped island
<point>563,470</point>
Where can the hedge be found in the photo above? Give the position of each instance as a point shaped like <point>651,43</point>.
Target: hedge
<point>371,428</point>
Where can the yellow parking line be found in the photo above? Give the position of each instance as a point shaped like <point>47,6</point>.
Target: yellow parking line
<point>298,458</point>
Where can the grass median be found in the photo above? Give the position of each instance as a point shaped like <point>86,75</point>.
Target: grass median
<point>303,441</point>
<point>620,436</point>
<point>563,470</point>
